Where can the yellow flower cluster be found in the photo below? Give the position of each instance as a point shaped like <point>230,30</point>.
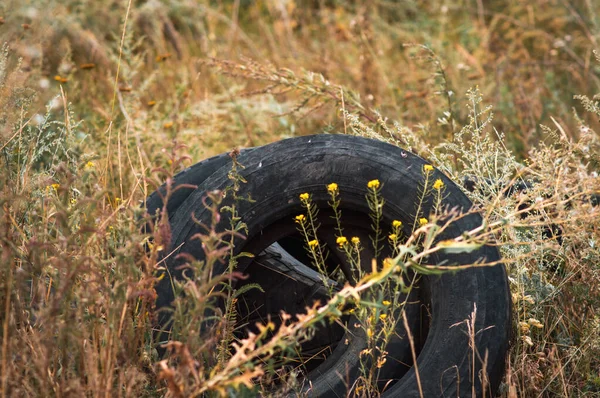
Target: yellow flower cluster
<point>423,221</point>
<point>332,188</point>
<point>53,187</point>
<point>535,323</point>
<point>392,237</point>
<point>300,218</point>
<point>396,224</point>
<point>428,168</point>
<point>304,196</point>
<point>373,184</point>
<point>438,184</point>
<point>341,241</point>
<point>355,240</point>
<point>524,326</point>
<point>313,243</point>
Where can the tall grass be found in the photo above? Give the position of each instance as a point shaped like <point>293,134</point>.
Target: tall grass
<point>97,99</point>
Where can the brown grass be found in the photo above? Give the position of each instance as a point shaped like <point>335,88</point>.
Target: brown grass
<point>96,98</point>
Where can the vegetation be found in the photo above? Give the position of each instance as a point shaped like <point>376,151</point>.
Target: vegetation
<point>97,98</point>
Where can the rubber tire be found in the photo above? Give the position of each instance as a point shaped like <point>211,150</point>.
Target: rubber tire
<point>279,172</point>
<point>398,350</point>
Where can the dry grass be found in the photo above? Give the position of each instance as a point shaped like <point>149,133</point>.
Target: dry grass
<point>95,99</point>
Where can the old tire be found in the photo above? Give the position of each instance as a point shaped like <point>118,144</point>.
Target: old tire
<point>276,174</point>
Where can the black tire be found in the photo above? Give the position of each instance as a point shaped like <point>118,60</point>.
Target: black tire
<point>279,172</point>
<point>398,351</point>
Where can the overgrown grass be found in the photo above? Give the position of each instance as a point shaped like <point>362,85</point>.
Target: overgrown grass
<point>96,99</point>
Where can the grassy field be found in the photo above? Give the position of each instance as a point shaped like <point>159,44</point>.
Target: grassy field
<point>102,101</point>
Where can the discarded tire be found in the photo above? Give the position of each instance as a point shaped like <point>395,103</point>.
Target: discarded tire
<point>277,174</point>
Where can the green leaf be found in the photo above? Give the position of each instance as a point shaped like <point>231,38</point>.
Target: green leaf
<point>450,246</point>
<point>247,288</point>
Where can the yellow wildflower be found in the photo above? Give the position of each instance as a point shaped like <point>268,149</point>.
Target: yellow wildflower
<point>427,168</point>
<point>392,236</point>
<point>168,125</point>
<point>300,218</point>
<point>313,243</point>
<point>333,187</point>
<point>373,184</point>
<point>438,184</point>
<point>386,303</point>
<point>529,299</point>
<point>52,187</point>
<point>423,221</point>
<point>382,316</point>
<point>527,340</point>
<point>524,326</point>
<point>369,332</point>
<point>355,240</point>
<point>535,322</point>
<point>304,196</point>
<point>396,224</point>
<point>341,240</point>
